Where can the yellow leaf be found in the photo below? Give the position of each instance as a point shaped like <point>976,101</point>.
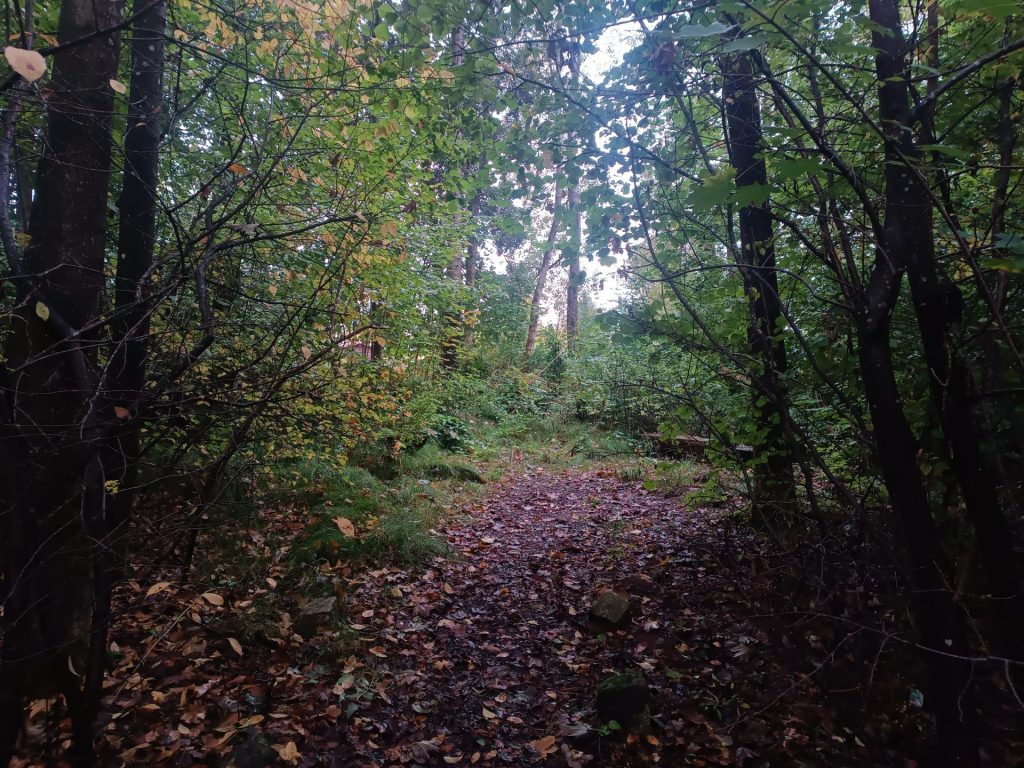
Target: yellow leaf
<point>238,168</point>
<point>42,310</point>
<point>235,645</point>
<point>345,526</point>
<point>28,64</point>
<point>118,86</point>
<point>160,586</point>
<point>213,598</point>
<point>122,413</point>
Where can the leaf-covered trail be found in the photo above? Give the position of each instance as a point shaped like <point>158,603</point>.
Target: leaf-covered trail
<point>490,657</point>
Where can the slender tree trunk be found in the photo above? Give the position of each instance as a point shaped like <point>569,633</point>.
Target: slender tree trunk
<point>774,485</point>
<point>136,241</point>
<point>54,517</point>
<point>542,276</point>
<point>572,289</point>
<point>909,241</point>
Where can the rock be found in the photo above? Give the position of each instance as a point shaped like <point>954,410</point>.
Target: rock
<point>254,752</point>
<point>624,698</point>
<point>611,607</point>
<point>316,614</point>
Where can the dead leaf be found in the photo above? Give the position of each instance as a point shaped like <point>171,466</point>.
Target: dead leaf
<point>289,752</point>
<point>28,64</point>
<point>213,598</point>
<point>345,526</point>
<point>238,168</point>
<point>544,746</point>
<point>235,645</point>
<point>488,715</point>
<point>122,413</point>
<point>160,586</point>
<point>118,86</point>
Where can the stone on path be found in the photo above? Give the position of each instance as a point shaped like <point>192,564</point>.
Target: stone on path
<point>253,752</point>
<point>317,613</point>
<point>611,607</point>
<point>624,698</point>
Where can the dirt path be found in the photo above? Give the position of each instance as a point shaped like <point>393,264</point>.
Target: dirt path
<point>491,658</point>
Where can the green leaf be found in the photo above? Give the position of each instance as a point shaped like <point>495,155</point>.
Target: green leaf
<point>701,30</point>
<point>742,44</point>
<point>714,189</point>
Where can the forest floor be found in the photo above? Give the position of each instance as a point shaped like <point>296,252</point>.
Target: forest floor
<point>489,655</point>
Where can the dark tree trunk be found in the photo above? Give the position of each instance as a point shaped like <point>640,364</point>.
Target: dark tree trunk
<point>909,241</point>
<point>54,515</point>
<point>774,486</point>
<point>136,241</point>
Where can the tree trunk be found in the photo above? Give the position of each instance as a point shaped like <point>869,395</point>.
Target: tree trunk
<point>136,241</point>
<point>774,486</point>
<point>908,240</point>
<point>572,289</point>
<point>542,276</point>
<point>54,515</point>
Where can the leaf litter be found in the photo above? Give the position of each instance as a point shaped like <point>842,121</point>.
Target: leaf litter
<point>489,656</point>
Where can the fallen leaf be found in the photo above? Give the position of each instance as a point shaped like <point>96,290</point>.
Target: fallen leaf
<point>544,746</point>
<point>488,715</point>
<point>213,598</point>
<point>289,752</point>
<point>345,526</point>
<point>235,645</point>
<point>160,586</point>
<point>118,86</point>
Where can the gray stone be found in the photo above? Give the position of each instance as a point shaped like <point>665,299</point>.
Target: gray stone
<point>253,752</point>
<point>611,607</point>
<point>625,699</point>
<point>317,613</point>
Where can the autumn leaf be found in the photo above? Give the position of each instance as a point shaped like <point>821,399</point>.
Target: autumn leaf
<point>544,746</point>
<point>235,645</point>
<point>488,715</point>
<point>238,168</point>
<point>160,586</point>
<point>213,598</point>
<point>42,311</point>
<point>122,413</point>
<point>29,64</point>
<point>306,352</point>
<point>289,752</point>
<point>273,290</point>
<point>118,86</point>
<point>345,526</point>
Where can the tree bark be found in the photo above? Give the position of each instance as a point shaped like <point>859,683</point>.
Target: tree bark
<point>137,206</point>
<point>572,289</point>
<point>774,485</point>
<point>542,276</point>
<point>54,515</point>
<point>908,239</point>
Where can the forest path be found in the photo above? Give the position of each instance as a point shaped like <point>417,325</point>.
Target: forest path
<point>490,657</point>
